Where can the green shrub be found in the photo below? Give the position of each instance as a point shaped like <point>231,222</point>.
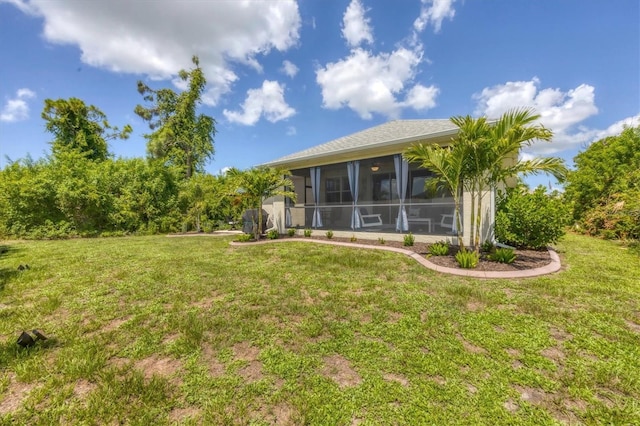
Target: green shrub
<point>307,232</point>
<point>244,238</point>
<point>487,246</point>
<point>273,234</point>
<point>329,234</point>
<point>530,219</point>
<point>381,240</point>
<point>353,239</point>
<point>503,255</point>
<point>441,248</point>
<point>616,218</point>
<point>409,239</point>
<point>467,259</point>
<point>291,232</point>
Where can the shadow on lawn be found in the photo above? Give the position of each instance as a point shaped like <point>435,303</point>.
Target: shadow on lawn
<point>7,273</point>
<point>10,350</point>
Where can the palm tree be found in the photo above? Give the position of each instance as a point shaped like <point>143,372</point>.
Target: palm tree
<point>447,165</point>
<point>483,155</point>
<point>493,149</point>
<point>259,183</point>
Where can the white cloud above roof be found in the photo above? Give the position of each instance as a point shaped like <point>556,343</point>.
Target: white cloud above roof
<point>374,83</point>
<point>561,111</point>
<point>289,68</point>
<point>158,38</point>
<point>434,12</point>
<point>267,101</point>
<point>17,108</point>
<point>356,27</point>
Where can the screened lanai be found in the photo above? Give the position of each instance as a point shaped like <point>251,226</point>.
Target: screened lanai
<point>381,194</point>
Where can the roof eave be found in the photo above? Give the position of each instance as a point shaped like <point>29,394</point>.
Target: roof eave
<point>396,142</point>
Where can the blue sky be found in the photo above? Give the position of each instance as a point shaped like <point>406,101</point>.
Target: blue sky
<point>286,75</point>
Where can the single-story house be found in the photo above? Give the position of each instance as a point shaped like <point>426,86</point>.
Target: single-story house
<point>359,185</point>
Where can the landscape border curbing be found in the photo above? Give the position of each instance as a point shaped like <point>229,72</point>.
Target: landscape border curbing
<point>550,268</point>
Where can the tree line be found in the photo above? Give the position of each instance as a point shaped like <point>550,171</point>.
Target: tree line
<point>81,189</point>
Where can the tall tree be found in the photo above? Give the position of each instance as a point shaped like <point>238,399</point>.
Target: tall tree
<point>80,128</point>
<point>483,155</point>
<point>258,184</point>
<point>180,136</point>
<point>605,168</point>
<point>493,155</point>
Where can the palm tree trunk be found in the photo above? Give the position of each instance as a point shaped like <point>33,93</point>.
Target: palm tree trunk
<point>259,228</point>
<point>458,219</point>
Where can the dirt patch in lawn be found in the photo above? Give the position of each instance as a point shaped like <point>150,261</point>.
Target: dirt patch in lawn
<point>114,324</point>
<point>633,326</point>
<point>15,395</point>
<point>253,370</point>
<point>560,335</point>
<point>339,369</point>
<point>246,351</point>
<point>281,414</point>
<point>82,388</point>
<point>216,368</point>
<point>475,306</point>
<point>177,415</point>
<point>390,377</point>
<point>531,395</point>
<point>470,347</point>
<point>155,366</point>
<point>554,354</point>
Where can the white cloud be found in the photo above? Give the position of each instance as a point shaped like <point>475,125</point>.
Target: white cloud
<point>268,101</point>
<point>369,83</point>
<point>291,131</point>
<point>355,26</point>
<point>421,97</point>
<point>560,111</point>
<point>434,12</point>
<point>289,68</point>
<point>158,38</point>
<point>17,109</point>
<point>373,83</point>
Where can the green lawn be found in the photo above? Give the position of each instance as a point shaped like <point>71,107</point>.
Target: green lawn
<point>156,330</point>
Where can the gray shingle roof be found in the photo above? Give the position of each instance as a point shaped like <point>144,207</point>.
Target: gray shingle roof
<point>393,132</point>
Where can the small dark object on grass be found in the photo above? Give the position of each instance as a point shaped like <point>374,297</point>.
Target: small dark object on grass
<point>23,267</point>
<point>39,335</point>
<point>25,340</point>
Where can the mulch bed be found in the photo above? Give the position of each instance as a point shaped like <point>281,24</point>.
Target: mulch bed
<point>525,259</point>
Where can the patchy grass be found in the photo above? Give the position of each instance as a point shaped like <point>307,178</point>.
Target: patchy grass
<point>155,330</point>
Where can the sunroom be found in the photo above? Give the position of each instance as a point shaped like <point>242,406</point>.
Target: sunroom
<point>360,185</point>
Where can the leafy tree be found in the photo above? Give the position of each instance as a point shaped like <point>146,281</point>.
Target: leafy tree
<point>605,168</point>
<point>604,189</point>
<point>81,128</point>
<point>144,196</point>
<point>259,183</point>
<point>27,197</point>
<point>205,197</point>
<point>179,136</point>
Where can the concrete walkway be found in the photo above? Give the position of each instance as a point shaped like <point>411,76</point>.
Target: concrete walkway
<point>552,267</point>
